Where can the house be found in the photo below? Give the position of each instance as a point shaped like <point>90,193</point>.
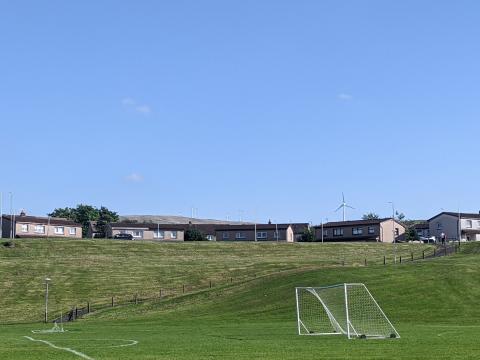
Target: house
<point>147,231</point>
<point>380,230</point>
<point>452,225</point>
<point>422,229</point>
<point>255,232</point>
<point>23,225</point>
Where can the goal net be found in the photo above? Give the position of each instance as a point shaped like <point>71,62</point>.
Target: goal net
<point>343,309</point>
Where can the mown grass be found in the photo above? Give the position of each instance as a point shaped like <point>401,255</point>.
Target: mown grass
<point>94,270</point>
<point>433,304</point>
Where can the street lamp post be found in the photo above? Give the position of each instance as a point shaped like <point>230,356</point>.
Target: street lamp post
<point>393,233</point>
<point>47,279</point>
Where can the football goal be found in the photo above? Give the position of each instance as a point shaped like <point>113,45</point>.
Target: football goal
<point>342,309</point>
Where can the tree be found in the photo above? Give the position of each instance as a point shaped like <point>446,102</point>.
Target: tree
<point>83,214</point>
<point>411,234</point>
<point>194,235</point>
<point>308,235</point>
<point>400,216</point>
<point>370,216</point>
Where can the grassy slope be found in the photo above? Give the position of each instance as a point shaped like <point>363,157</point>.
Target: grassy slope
<point>94,270</point>
<point>434,305</point>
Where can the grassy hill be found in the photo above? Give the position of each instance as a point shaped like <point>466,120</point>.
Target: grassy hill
<point>94,270</point>
<point>433,304</point>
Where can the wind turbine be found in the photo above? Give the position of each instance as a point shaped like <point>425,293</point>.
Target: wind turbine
<point>343,206</point>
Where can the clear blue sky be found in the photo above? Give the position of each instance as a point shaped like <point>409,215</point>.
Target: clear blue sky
<point>270,107</point>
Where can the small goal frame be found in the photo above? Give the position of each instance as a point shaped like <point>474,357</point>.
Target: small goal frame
<point>341,322</point>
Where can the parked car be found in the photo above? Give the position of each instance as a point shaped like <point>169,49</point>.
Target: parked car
<point>428,240</point>
<point>123,236</point>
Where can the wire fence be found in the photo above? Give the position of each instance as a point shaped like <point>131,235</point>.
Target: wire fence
<point>171,292</point>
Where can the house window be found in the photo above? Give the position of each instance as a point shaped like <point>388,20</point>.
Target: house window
<point>371,230</point>
<point>240,235</point>
<point>397,232</point>
<point>357,231</point>
<point>225,235</point>
<point>24,228</point>
<point>174,235</point>
<point>469,224</point>
<point>40,229</point>
<point>159,234</point>
<point>137,233</point>
<point>439,226</point>
<point>59,230</point>
<point>261,234</point>
<point>72,231</point>
<point>325,232</point>
<point>478,224</point>
<point>275,235</point>
<point>338,232</point>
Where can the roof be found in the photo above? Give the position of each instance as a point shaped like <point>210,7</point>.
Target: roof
<point>456,214</point>
<point>247,227</point>
<point>353,223</point>
<point>421,225</point>
<point>149,226</point>
<point>42,220</point>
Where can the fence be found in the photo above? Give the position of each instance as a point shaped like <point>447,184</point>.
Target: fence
<point>171,292</point>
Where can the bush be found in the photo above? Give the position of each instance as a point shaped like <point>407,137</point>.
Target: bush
<point>194,235</point>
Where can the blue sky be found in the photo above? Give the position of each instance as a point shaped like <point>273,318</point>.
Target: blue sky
<point>269,109</point>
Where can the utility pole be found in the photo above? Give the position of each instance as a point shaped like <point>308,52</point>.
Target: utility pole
<point>11,215</point>
<point>1,215</point>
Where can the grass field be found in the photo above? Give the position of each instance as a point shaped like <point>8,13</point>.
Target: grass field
<point>434,304</point>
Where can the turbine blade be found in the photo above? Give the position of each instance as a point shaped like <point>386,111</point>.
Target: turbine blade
<point>351,207</point>
<point>339,208</point>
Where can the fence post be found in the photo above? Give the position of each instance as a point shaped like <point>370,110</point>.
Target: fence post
<point>384,260</point>
<point>343,262</point>
<point>88,307</point>
<point>423,254</point>
<point>160,293</point>
<point>400,259</point>
<point>412,255</point>
<point>365,261</point>
<point>231,279</point>
<point>210,284</point>
<point>113,303</point>
<point>183,289</point>
<point>136,299</point>
<point>76,312</point>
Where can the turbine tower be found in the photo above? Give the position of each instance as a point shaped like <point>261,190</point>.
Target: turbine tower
<point>343,206</point>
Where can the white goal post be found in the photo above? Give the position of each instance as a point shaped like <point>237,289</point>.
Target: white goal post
<point>342,309</point>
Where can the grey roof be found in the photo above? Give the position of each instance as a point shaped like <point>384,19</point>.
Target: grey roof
<point>246,227</point>
<point>353,223</point>
<point>42,220</point>
<point>456,214</point>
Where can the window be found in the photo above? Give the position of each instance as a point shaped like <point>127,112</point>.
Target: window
<point>276,235</point>
<point>439,226</point>
<point>59,230</point>
<point>469,224</point>
<point>225,235</point>
<point>174,235</point>
<point>338,232</point>
<point>371,230</point>
<point>357,231</point>
<point>261,234</point>
<point>325,232</point>
<point>240,235</point>
<point>40,229</point>
<point>397,232</point>
<point>478,224</point>
<point>159,234</point>
<point>24,228</point>
<point>137,233</point>
<point>72,231</point>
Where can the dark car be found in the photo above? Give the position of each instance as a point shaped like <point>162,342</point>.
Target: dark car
<point>123,236</point>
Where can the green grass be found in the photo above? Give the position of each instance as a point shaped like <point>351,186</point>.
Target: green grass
<point>95,270</point>
<point>433,304</point>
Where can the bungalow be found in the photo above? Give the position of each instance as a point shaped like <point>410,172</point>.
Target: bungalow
<point>255,232</point>
<point>147,231</point>
<point>24,225</point>
<point>380,230</point>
